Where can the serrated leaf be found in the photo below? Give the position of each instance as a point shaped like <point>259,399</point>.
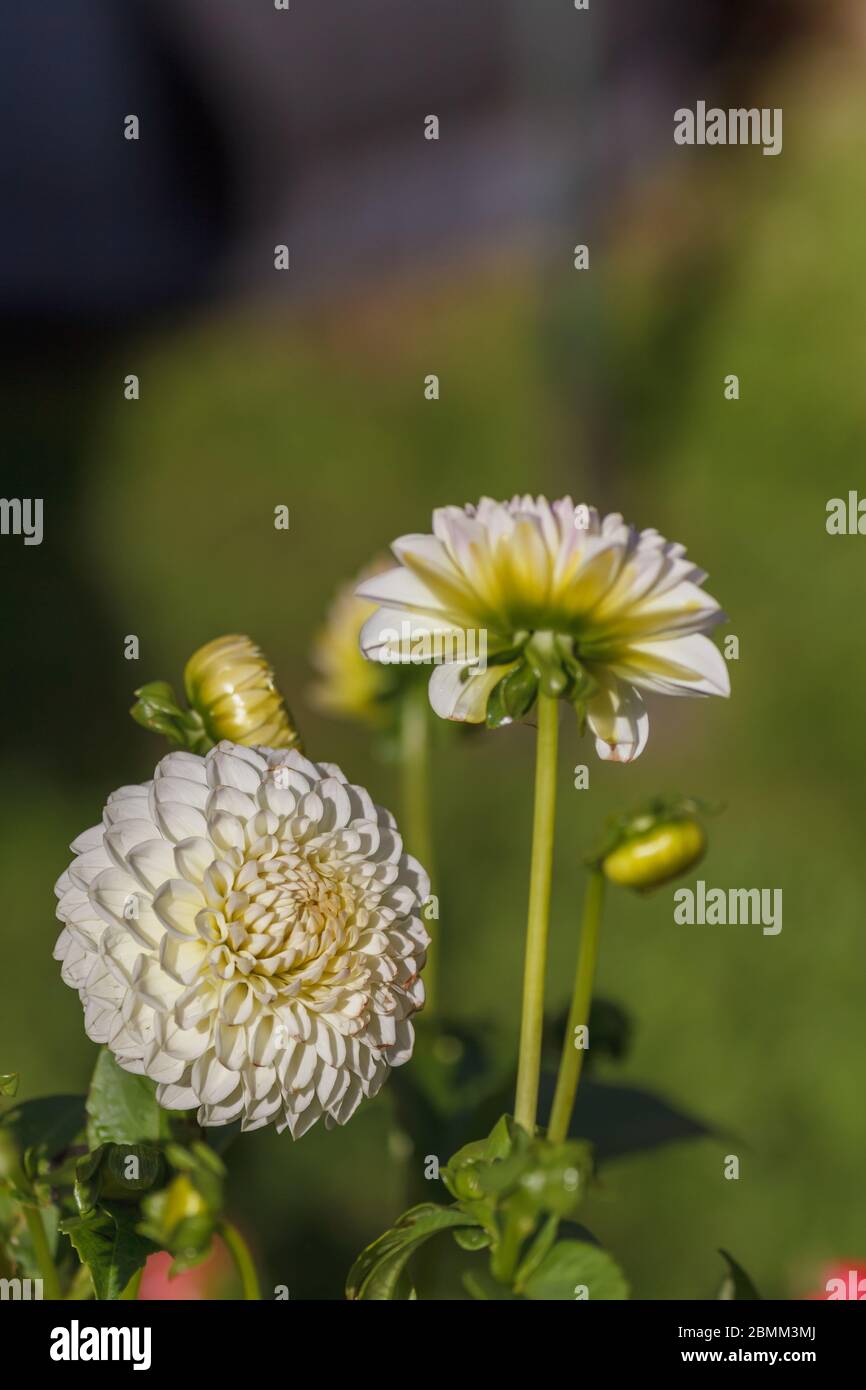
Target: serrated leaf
<point>109,1244</point>
<point>379,1272</point>
<point>122,1108</point>
<point>569,1267</point>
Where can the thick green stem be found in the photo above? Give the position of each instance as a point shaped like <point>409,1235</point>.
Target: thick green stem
<point>42,1251</point>
<point>578,1016</point>
<point>240,1253</point>
<point>544,820</point>
<point>417,824</point>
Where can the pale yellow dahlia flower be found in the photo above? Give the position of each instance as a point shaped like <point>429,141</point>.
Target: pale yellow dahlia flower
<point>246,930</point>
<point>347,684</point>
<point>515,597</point>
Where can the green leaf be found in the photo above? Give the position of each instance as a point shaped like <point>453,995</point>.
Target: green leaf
<point>107,1174</point>
<point>484,1288</point>
<point>501,1139</point>
<point>159,696</point>
<point>569,1267</point>
<point>122,1108</point>
<point>109,1244</point>
<point>49,1124</point>
<point>378,1273</point>
<point>9,1083</point>
<point>157,709</point>
<point>736,1284</point>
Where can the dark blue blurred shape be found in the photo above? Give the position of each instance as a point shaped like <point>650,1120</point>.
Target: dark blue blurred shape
<point>94,225</point>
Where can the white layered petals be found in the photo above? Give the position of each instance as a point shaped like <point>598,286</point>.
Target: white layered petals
<point>459,692</point>
<point>617,717</point>
<point>629,600</point>
<point>246,930</point>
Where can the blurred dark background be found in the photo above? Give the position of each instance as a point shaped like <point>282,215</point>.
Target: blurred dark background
<point>155,257</point>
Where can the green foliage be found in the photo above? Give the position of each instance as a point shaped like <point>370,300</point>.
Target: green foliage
<point>109,1244</point>
<point>547,662</point>
<point>115,1172</point>
<point>49,1125</point>
<point>183,1216</point>
<point>378,1273</point>
<point>576,1269</point>
<point>121,1107</point>
<point>157,708</point>
<point>511,1192</point>
<point>513,696</point>
<point>115,1177</point>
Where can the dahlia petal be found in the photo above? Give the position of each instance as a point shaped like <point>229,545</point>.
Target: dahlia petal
<point>398,589</point>
<point>176,1097</point>
<point>226,770</point>
<point>176,904</point>
<point>617,717</point>
<point>193,857</point>
<point>179,820</point>
<point>458,691</point>
<point>212,1080</point>
<point>188,766</point>
<point>83,870</point>
<point>346,1107</point>
<point>390,635</point>
<point>690,665</point>
<point>88,839</point>
<point>180,791</point>
<point>230,800</point>
<point>113,894</point>
<point>122,839</point>
<point>152,862</point>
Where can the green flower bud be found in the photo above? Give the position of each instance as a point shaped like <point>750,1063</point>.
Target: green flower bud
<point>182,1201</point>
<point>657,855</point>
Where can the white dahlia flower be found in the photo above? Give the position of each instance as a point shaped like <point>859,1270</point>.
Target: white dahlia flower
<point>245,929</point>
<point>509,598</point>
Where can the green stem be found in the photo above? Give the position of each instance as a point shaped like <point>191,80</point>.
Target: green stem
<point>240,1253</point>
<point>571,1061</point>
<point>42,1251</point>
<point>544,819</point>
<point>130,1293</point>
<point>415,760</point>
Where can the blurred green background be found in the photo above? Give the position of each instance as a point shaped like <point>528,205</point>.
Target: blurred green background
<point>606,385</point>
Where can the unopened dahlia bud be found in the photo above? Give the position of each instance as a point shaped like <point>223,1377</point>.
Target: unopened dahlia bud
<point>231,685</point>
<point>657,855</point>
<point>182,1203</point>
